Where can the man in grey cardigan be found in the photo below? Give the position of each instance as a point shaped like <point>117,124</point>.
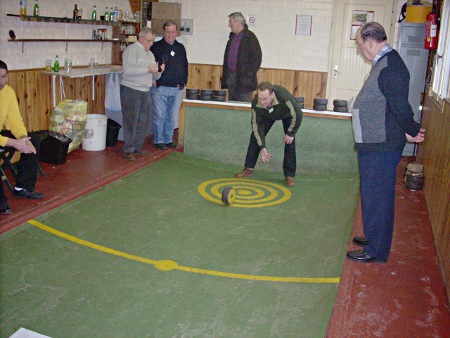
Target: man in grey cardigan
<point>382,121</point>
<point>139,71</point>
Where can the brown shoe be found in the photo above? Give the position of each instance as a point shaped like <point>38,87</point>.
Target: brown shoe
<point>244,173</point>
<point>290,181</point>
<point>128,156</point>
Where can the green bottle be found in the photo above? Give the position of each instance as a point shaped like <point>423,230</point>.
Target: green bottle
<point>36,8</point>
<point>56,64</point>
<point>94,13</point>
<point>106,14</point>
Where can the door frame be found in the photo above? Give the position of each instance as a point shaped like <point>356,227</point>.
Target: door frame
<point>390,33</point>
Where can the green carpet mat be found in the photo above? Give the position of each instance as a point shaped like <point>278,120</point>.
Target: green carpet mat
<point>151,256</point>
<point>323,145</point>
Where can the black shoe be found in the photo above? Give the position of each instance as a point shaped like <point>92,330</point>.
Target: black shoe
<point>28,194</point>
<point>5,209</point>
<point>362,256</point>
<point>171,145</point>
<point>161,146</point>
<point>360,241</point>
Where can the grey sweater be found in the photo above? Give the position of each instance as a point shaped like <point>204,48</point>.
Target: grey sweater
<point>135,68</point>
<point>381,111</point>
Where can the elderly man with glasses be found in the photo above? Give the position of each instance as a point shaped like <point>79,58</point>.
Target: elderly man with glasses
<point>140,69</point>
<point>273,103</point>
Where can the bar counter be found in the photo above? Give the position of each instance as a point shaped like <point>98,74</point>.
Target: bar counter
<point>79,73</point>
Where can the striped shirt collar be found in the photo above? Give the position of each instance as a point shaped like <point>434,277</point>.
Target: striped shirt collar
<point>383,51</point>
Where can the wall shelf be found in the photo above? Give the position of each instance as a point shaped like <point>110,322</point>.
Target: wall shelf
<point>60,40</point>
<point>51,19</point>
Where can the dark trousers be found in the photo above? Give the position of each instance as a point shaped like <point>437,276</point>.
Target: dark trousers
<point>27,166</point>
<point>378,174</point>
<point>136,111</point>
<point>233,93</point>
<point>290,158</point>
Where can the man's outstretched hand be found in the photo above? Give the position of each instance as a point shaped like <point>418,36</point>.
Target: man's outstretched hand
<point>265,155</point>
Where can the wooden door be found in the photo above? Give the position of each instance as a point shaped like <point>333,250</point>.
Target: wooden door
<point>348,69</point>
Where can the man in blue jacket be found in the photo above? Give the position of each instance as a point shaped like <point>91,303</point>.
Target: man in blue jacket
<point>382,122</point>
<point>166,95</point>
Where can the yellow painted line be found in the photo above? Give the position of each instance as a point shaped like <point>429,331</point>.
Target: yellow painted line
<point>167,265</point>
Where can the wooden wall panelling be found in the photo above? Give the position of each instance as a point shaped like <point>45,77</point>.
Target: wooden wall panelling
<point>284,78</point>
<point>434,155</point>
<point>204,76</point>
<point>34,94</point>
<point>301,83</point>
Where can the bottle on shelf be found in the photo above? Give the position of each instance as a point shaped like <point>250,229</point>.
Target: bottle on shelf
<point>94,13</point>
<point>36,8</point>
<point>56,64</point>
<point>23,7</point>
<point>106,14</point>
<point>75,12</point>
<point>116,14</point>
<point>48,65</point>
<point>111,13</point>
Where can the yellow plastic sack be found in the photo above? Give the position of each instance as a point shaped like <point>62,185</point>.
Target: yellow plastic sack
<point>69,118</point>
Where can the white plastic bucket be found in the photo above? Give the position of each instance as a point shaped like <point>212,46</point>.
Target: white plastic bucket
<point>95,132</point>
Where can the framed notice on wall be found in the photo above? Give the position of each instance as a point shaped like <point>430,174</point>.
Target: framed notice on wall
<point>359,18</point>
<point>303,25</point>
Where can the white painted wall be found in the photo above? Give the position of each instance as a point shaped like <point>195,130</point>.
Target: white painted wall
<point>275,28</point>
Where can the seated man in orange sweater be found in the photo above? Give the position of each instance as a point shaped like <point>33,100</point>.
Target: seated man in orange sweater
<point>14,134</point>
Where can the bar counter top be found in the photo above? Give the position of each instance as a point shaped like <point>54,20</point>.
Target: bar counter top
<point>85,71</point>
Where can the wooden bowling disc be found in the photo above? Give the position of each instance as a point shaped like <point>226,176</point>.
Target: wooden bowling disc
<point>228,195</point>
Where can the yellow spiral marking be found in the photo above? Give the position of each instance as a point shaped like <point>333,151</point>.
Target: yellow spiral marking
<point>168,265</point>
<point>249,193</point>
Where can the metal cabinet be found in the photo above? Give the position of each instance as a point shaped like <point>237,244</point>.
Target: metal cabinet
<point>415,56</point>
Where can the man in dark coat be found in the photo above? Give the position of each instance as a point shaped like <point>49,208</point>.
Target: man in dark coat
<point>241,61</point>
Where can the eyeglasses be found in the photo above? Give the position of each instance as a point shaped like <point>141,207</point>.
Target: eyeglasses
<point>263,99</point>
<point>149,41</point>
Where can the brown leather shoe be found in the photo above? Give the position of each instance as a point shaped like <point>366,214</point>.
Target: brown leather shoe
<point>128,156</point>
<point>245,173</point>
<point>290,181</point>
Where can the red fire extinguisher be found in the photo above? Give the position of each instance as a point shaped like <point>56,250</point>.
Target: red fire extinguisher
<point>431,31</point>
